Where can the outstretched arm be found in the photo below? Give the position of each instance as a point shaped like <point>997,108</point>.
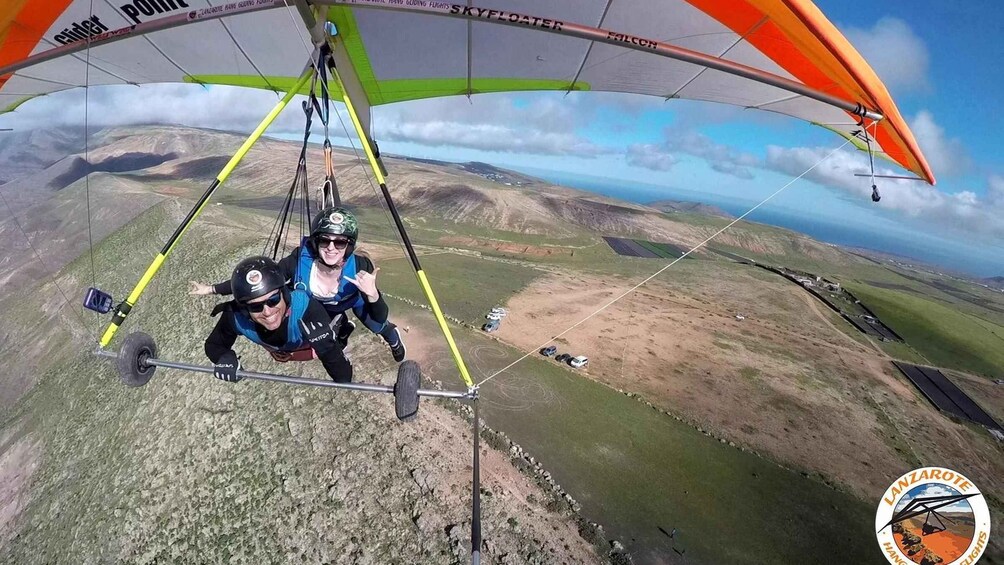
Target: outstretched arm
<point>201,289</point>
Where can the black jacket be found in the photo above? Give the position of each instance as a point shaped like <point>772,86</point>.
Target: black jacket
<point>328,350</point>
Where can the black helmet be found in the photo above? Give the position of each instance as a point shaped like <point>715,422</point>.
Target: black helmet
<point>255,277</point>
<point>336,221</point>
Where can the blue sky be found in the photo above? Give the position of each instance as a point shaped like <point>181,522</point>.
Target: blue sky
<point>935,489</point>
<point>941,78</point>
<point>938,59</point>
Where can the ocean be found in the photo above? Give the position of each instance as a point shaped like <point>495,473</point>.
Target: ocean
<point>886,237</point>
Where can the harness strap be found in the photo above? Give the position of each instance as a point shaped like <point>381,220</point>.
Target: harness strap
<point>298,301</point>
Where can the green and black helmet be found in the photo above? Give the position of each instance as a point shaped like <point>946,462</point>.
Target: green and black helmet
<point>333,222</point>
<point>255,277</point>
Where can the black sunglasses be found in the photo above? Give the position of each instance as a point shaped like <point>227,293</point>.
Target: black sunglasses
<point>272,302</point>
<point>323,242</point>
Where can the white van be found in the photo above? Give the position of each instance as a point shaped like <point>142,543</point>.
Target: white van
<point>578,362</point>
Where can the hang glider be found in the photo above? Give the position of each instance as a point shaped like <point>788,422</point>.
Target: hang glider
<point>774,55</point>
<point>780,56</point>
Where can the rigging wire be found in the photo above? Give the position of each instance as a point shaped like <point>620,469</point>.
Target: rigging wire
<point>13,216</point>
<point>476,540</point>
<point>38,257</point>
<point>871,165</point>
<point>87,170</point>
<point>369,180</point>
<point>675,261</point>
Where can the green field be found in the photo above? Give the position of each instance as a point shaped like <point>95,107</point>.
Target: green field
<point>943,335</point>
<point>466,287</point>
<point>663,250</point>
<point>635,469</point>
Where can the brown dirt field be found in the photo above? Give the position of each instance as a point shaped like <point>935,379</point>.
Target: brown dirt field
<point>948,545</point>
<point>512,492</point>
<point>784,381</point>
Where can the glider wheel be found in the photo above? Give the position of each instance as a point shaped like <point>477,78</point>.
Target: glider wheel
<point>135,350</point>
<point>409,377</point>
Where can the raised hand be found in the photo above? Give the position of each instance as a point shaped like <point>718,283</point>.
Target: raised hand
<point>366,283</point>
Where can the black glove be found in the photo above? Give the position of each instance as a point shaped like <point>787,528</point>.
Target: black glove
<point>226,368</point>
<point>343,329</point>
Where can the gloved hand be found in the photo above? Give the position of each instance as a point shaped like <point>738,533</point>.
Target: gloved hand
<point>343,329</point>
<point>226,368</point>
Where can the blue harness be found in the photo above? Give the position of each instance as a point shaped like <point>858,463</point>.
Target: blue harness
<point>294,338</point>
<point>348,295</point>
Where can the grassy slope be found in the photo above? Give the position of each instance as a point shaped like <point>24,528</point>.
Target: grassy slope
<point>943,335</point>
<point>616,446</point>
<point>466,288</point>
<point>188,466</point>
<point>635,469</point>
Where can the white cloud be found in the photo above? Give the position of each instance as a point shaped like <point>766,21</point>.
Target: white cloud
<point>217,107</point>
<point>932,490</point>
<point>965,210</point>
<point>650,156</point>
<point>995,192</point>
<point>721,158</point>
<point>540,125</point>
<point>491,137</point>
<point>947,156</point>
<point>896,53</point>
<point>543,126</point>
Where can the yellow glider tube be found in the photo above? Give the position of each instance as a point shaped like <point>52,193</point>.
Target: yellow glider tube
<point>422,280</point>
<point>123,309</point>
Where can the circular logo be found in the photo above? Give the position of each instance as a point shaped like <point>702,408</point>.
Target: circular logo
<point>933,515</point>
<point>253,277</point>
<point>338,221</point>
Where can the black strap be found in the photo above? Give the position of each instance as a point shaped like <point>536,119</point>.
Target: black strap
<point>227,306</point>
<point>325,61</point>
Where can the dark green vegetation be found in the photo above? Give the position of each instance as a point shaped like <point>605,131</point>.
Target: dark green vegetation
<point>945,336</point>
<point>664,250</point>
<point>945,322</point>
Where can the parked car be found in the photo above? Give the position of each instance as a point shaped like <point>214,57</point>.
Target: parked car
<point>549,351</point>
<point>494,317</point>
<point>562,358</point>
<point>499,311</point>
<point>579,361</point>
<point>491,326</point>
